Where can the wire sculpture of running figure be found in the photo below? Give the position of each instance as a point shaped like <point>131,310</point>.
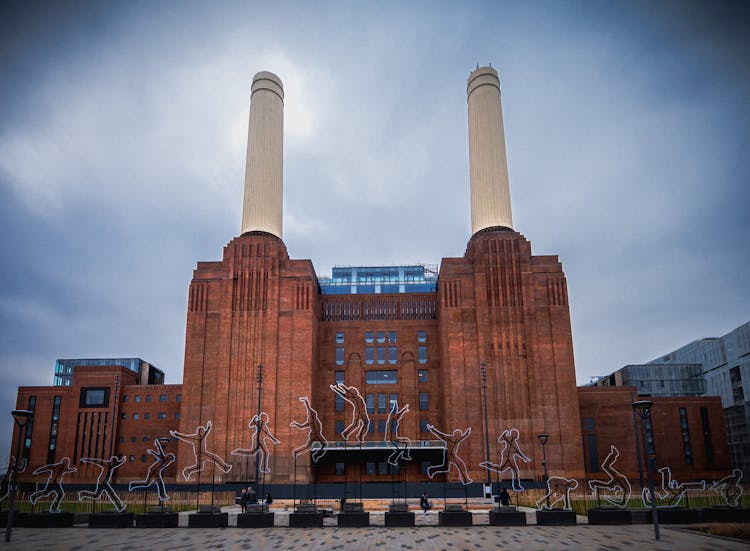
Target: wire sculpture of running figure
<point>155,471</point>
<point>259,442</point>
<point>107,469</point>
<point>672,491</point>
<point>316,442</point>
<point>360,420</point>
<point>450,453</point>
<point>617,488</point>
<point>198,441</point>
<point>558,489</point>
<point>10,477</point>
<point>509,456</point>
<point>54,485</point>
<point>729,488</point>
<point>400,444</point>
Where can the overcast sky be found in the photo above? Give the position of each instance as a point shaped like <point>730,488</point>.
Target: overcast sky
<point>123,130</point>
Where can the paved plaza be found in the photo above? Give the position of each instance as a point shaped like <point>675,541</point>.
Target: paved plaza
<point>427,535</point>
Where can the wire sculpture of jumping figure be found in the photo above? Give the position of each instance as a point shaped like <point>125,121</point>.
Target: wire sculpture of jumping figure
<point>450,453</point>
<point>107,468</point>
<point>730,488</point>
<point>558,488</point>
<point>618,489</point>
<point>510,453</point>
<point>154,473</point>
<point>672,491</point>
<point>360,420</point>
<point>198,441</point>
<point>260,434</point>
<point>57,471</point>
<point>316,442</point>
<point>400,444</point>
<point>10,477</point>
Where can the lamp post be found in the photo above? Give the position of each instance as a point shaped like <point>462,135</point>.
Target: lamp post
<point>543,441</point>
<point>21,417</point>
<point>643,409</point>
<point>259,378</point>
<point>483,371</point>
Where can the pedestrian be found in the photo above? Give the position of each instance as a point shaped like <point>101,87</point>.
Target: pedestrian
<point>252,497</point>
<point>425,503</point>
<point>243,500</point>
<point>269,499</point>
<point>504,497</point>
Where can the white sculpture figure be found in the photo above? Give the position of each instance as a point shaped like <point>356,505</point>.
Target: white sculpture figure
<point>57,471</point>
<point>450,453</point>
<point>107,468</point>
<point>155,471</point>
<point>10,476</point>
<point>618,489</point>
<point>316,442</point>
<point>400,444</point>
<point>672,491</point>
<point>558,488</point>
<point>509,456</point>
<point>259,442</point>
<point>198,441</point>
<point>360,420</point>
<point>729,487</point>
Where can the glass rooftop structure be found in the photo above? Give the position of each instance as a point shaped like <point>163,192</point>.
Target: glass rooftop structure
<point>64,368</point>
<point>369,280</point>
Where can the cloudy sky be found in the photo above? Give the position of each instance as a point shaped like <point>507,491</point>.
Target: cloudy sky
<point>123,131</point>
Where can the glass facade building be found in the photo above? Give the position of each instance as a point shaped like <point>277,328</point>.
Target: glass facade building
<point>369,280</point>
<point>64,369</point>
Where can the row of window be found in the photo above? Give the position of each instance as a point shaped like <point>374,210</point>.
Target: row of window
<point>383,377</point>
<point>382,336</point>
<point>381,352</point>
<point>380,426</point>
<point>162,398</point>
<point>147,415</point>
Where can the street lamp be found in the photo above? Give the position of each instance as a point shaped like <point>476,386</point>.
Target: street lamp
<point>483,371</point>
<point>543,441</point>
<point>257,434</point>
<point>643,409</point>
<point>21,417</point>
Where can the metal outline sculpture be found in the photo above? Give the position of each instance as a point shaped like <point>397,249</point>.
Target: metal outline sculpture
<point>9,478</point>
<point>107,469</point>
<point>616,481</point>
<point>314,428</point>
<point>391,435</point>
<point>58,471</point>
<point>724,485</point>
<point>509,441</point>
<point>450,453</point>
<point>153,475</point>
<point>559,488</point>
<point>259,434</point>
<point>672,491</point>
<point>360,420</point>
<point>195,438</point>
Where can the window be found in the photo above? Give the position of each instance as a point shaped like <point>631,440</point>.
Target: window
<point>391,336</point>
<point>339,337</point>
<point>29,429</point>
<point>707,443</point>
<point>145,438</point>
<point>421,336</point>
<point>339,377</point>
<point>371,427</point>
<point>162,397</point>
<point>424,403</point>
<point>123,416</point>
<point>339,355</point>
<point>339,400</point>
<point>381,336</point>
<point>162,415</point>
<point>381,355</point>
<point>121,439</point>
<point>687,448</point>
<point>94,397</point>
<point>177,415</point>
<point>370,467</point>
<point>147,415</point>
<point>144,458</point>
<point>340,469</point>
<point>135,417</point>
<point>368,337</point>
<point>178,398</point>
<point>132,458</point>
<point>593,454</point>
<point>381,403</point>
<point>369,355</point>
<point>148,397</point>
<point>392,402</point>
<point>382,467</point>
<point>381,426</point>
<point>339,427</point>
<point>392,354</point>
<point>422,354</point>
<point>588,423</point>
<point>370,400</point>
<point>124,397</point>
<point>422,375</point>
<point>423,425</point>
<point>133,438</point>
<point>137,398</point>
<point>381,377</point>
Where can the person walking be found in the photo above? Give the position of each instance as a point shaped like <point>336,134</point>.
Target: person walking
<point>424,502</point>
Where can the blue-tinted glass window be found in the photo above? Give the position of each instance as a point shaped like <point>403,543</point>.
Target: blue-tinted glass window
<point>340,469</point>
<point>422,375</point>
<point>369,355</point>
<point>381,403</point>
<point>381,377</point>
<point>369,337</point>
<point>688,449</point>
<point>593,453</point>
<point>381,426</point>
<point>371,427</point>
<point>93,397</point>
<point>163,398</point>
<point>135,416</point>
<point>370,467</point>
<point>421,336</point>
<point>392,402</point>
<point>339,355</point>
<point>370,398</point>
<point>392,354</point>
<point>422,354</point>
<point>339,337</point>
<point>381,336</point>
<point>148,397</point>
<point>147,415</point>
<point>707,441</point>
<point>339,427</point>
<point>391,336</point>
<point>424,403</point>
<point>137,398</point>
<point>382,467</point>
<point>381,355</point>
<point>339,377</point>
<point>162,415</point>
<point>588,423</point>
<point>423,425</point>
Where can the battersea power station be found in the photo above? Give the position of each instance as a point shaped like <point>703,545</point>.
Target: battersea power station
<point>425,373</point>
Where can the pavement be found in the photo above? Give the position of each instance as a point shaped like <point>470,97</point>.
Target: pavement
<point>427,535</point>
